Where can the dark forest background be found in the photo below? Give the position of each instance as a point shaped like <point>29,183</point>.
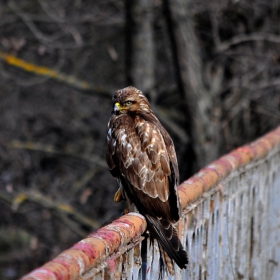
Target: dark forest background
<point>209,68</point>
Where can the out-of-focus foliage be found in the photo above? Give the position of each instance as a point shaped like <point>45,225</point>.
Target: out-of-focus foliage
<point>55,187</point>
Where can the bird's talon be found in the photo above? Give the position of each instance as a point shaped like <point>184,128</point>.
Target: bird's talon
<point>125,211</point>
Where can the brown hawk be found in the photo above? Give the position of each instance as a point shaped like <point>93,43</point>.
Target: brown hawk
<point>141,156</point>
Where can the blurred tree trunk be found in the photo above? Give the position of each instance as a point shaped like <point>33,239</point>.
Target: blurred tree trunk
<point>140,56</point>
<point>198,85</point>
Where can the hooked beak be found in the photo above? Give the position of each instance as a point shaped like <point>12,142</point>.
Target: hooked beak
<point>117,107</point>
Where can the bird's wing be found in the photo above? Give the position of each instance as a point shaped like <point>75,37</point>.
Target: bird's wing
<point>138,156</point>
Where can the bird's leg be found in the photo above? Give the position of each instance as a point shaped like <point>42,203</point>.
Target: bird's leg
<point>131,208</point>
<point>118,196</point>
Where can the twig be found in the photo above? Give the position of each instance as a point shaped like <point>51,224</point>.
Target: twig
<point>70,224</point>
<point>242,38</point>
<point>84,180</point>
<point>46,148</point>
<point>71,29</point>
<point>51,73</point>
<point>49,40</point>
<point>46,202</point>
<point>50,13</point>
<point>37,33</point>
<point>171,126</point>
<point>257,87</point>
<point>266,84</point>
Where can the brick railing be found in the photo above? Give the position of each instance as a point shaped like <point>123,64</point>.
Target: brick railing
<point>230,227</point>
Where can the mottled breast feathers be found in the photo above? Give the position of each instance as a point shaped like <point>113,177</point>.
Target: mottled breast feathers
<point>142,156</point>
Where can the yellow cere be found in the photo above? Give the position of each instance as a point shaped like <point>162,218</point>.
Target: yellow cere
<point>118,106</point>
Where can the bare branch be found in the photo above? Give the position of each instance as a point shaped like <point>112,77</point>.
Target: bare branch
<point>255,87</point>
<point>50,40</point>
<point>57,19</point>
<point>50,13</point>
<point>51,73</point>
<point>171,126</point>
<point>37,33</point>
<point>87,176</point>
<point>62,209</point>
<point>265,84</point>
<point>243,38</point>
<point>50,149</point>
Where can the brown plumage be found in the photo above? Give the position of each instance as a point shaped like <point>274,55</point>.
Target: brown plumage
<point>141,156</point>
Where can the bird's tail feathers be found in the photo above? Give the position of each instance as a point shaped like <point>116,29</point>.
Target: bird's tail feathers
<point>167,236</point>
<point>168,261</point>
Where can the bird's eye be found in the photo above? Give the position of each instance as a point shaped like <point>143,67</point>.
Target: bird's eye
<point>127,103</point>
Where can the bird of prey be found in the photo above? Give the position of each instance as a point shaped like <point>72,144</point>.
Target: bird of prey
<point>141,156</point>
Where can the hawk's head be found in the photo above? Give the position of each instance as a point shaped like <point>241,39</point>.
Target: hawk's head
<point>130,100</point>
